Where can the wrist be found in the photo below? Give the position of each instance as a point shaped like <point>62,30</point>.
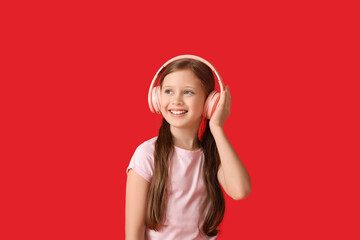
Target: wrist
<point>216,129</point>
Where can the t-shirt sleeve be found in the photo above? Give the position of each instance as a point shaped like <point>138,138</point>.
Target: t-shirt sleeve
<point>142,161</point>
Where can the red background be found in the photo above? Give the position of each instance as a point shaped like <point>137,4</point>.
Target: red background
<point>74,82</point>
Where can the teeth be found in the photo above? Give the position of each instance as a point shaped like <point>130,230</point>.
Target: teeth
<point>178,112</point>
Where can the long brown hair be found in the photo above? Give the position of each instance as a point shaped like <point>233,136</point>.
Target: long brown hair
<point>157,195</point>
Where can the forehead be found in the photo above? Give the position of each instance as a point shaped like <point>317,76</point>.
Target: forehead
<point>182,78</point>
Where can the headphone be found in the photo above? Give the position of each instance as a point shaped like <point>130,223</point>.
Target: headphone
<point>211,101</point>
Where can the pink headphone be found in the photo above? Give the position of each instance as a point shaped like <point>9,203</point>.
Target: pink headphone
<point>211,101</point>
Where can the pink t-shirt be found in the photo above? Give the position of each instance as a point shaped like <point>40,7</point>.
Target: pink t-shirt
<point>186,191</point>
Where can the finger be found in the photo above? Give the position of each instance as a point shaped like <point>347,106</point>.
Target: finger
<point>228,98</point>
<point>229,95</point>
<point>226,95</point>
<point>221,101</point>
<point>227,91</point>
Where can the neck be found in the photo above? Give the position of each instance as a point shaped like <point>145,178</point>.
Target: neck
<point>185,138</point>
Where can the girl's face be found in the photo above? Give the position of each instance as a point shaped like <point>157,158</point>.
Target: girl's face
<point>182,99</point>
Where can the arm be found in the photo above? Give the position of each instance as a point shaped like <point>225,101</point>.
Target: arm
<point>232,174</point>
<point>135,210</point>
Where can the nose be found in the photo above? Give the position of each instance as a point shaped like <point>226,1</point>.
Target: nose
<point>177,99</point>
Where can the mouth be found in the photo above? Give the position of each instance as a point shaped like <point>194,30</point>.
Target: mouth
<point>177,112</point>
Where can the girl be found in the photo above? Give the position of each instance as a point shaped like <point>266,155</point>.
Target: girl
<point>173,185</point>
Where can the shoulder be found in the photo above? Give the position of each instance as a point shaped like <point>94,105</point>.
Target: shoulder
<point>142,160</point>
<point>147,147</point>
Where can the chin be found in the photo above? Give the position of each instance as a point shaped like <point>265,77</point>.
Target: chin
<point>187,124</point>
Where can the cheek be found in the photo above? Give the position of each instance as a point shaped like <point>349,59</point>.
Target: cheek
<point>199,104</point>
<point>162,98</point>
<point>163,102</point>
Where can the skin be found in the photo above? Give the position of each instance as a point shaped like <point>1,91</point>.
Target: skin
<point>183,90</point>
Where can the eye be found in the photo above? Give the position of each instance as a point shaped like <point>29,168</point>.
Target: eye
<point>168,91</point>
<point>188,92</point>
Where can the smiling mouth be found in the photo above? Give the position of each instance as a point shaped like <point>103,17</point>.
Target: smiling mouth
<point>180,112</point>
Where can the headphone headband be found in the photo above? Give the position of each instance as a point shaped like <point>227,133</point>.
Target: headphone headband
<point>155,79</point>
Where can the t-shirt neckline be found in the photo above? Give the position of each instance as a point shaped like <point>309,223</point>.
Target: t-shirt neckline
<point>188,151</point>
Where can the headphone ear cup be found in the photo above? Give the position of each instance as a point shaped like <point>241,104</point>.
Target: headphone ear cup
<point>156,99</point>
<point>210,104</point>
